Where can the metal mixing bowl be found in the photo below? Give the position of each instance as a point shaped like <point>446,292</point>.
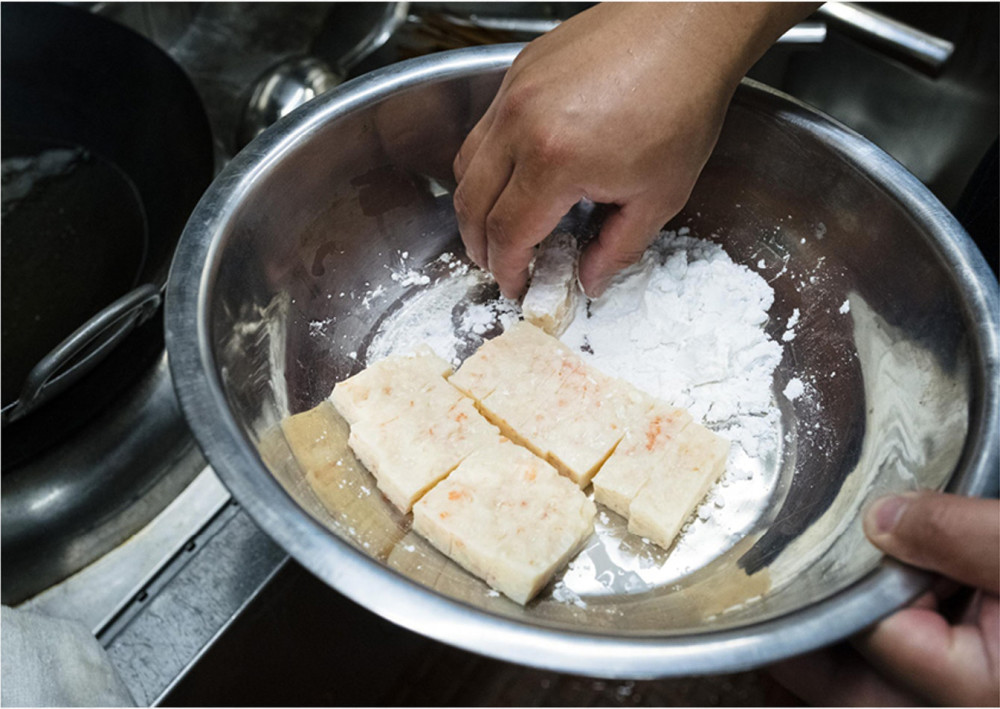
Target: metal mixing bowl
<point>266,311</point>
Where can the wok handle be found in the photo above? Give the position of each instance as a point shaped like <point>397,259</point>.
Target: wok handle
<point>102,333</point>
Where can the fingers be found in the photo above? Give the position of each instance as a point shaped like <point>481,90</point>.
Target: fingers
<point>947,664</point>
<point>470,146</point>
<point>623,239</point>
<point>958,537</point>
<point>474,139</point>
<point>524,214</point>
<point>479,187</point>
<point>838,676</point>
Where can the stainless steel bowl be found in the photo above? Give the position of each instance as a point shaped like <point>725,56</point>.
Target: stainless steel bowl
<point>264,312</point>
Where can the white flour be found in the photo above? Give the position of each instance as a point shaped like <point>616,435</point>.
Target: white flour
<point>685,324</point>
<point>443,316</point>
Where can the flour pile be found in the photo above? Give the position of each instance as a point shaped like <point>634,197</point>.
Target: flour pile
<point>686,325</point>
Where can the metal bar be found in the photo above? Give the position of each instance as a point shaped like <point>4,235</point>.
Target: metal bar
<point>913,47</point>
<point>170,623</point>
<point>802,33</point>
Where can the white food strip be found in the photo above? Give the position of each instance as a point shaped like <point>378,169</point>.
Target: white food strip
<point>508,517</point>
<point>550,302</point>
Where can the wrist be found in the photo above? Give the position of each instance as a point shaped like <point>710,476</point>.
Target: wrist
<point>725,39</point>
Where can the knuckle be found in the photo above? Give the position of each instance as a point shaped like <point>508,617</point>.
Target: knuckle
<point>522,59</point>
<point>626,256</point>
<point>672,201</point>
<point>458,165</point>
<point>498,230</point>
<point>515,103</point>
<point>927,517</point>
<point>523,101</point>
<point>550,146</point>
<point>463,209</point>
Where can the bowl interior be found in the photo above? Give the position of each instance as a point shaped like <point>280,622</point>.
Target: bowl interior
<point>305,274</point>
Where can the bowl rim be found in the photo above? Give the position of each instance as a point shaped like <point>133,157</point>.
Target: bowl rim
<point>415,607</point>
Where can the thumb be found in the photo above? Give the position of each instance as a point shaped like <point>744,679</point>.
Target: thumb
<point>958,537</point>
<point>624,237</point>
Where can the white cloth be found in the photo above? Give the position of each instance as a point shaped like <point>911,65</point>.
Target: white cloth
<point>48,662</point>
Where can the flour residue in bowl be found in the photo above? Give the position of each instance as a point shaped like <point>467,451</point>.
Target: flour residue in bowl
<point>687,325</point>
<point>452,314</point>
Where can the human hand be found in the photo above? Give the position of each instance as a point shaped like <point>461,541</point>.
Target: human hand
<point>920,654</point>
<point>621,104</point>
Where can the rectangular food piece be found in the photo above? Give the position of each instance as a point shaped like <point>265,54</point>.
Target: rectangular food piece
<point>508,517</point>
<point>522,352</point>
<point>672,494</point>
<point>649,444</point>
<point>318,440</point>
<point>592,411</point>
<point>550,302</point>
<point>410,452</point>
<point>377,389</point>
<point>549,400</point>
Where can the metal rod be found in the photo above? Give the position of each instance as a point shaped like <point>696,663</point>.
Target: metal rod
<point>913,47</point>
<point>802,33</point>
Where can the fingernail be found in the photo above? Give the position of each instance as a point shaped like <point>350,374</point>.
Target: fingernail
<point>887,512</point>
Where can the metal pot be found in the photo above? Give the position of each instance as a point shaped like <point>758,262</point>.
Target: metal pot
<point>316,206</point>
<point>106,150</point>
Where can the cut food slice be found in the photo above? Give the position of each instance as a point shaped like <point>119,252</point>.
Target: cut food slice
<point>522,353</point>
<point>544,397</point>
<point>412,452</point>
<point>590,417</point>
<point>670,495</point>
<point>573,416</point>
<point>649,444</point>
<point>551,298</point>
<point>318,440</point>
<point>379,389</point>
<point>508,517</point>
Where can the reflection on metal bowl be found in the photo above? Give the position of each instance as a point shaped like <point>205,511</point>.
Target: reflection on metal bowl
<point>315,206</point>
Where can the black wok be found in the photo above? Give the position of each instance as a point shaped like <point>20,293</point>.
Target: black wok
<point>106,149</point>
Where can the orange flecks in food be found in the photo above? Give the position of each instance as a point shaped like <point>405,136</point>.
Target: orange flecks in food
<point>653,432</point>
<point>456,494</point>
<point>443,515</point>
<point>461,417</point>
